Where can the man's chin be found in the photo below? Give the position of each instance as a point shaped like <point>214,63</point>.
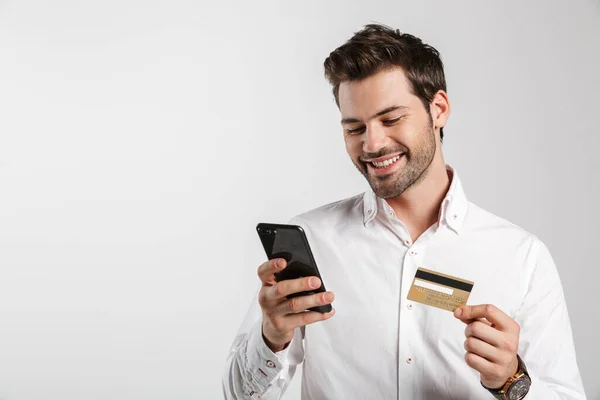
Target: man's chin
<point>382,185</point>
<point>384,191</point>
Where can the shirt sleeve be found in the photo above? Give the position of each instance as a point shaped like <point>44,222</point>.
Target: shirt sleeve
<point>546,342</point>
<point>253,371</point>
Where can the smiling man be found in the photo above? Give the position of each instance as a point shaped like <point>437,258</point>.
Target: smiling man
<point>435,298</point>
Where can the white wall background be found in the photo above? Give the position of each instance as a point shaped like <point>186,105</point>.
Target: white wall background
<point>141,141</point>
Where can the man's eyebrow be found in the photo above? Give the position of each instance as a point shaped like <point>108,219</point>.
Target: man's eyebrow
<point>379,114</point>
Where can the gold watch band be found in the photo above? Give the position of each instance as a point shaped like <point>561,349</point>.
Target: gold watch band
<point>521,374</point>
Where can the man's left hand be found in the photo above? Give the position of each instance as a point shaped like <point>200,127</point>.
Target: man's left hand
<point>492,343</point>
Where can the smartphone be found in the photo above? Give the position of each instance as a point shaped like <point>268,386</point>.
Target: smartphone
<point>290,243</point>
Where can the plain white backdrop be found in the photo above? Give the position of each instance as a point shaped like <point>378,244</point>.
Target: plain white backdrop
<point>141,142</point>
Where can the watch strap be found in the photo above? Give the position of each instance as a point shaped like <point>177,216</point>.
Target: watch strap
<point>501,392</point>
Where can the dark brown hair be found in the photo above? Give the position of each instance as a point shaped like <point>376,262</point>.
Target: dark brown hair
<point>378,47</point>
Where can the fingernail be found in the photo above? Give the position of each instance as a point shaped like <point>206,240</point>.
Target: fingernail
<point>314,282</point>
<point>458,312</point>
<point>280,263</point>
<point>329,297</point>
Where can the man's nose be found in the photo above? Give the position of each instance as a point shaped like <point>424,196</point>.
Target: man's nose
<point>374,139</point>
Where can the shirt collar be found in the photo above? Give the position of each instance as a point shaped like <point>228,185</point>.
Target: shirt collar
<point>453,210</point>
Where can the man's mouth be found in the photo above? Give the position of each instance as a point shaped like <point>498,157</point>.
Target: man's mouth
<point>382,164</point>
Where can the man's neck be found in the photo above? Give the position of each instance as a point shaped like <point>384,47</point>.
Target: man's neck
<point>418,207</point>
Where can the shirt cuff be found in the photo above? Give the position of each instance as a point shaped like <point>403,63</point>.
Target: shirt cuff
<point>264,365</point>
<point>540,390</point>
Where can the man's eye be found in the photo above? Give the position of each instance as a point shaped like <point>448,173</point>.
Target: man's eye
<point>355,130</point>
<point>392,121</point>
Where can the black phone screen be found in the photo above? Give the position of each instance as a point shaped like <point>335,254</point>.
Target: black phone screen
<point>289,242</point>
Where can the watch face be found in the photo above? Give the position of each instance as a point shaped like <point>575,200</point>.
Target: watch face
<point>519,388</point>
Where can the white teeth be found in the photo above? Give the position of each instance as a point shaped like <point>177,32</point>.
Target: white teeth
<point>386,163</point>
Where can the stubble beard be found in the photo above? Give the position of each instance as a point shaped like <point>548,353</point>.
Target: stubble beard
<point>414,171</point>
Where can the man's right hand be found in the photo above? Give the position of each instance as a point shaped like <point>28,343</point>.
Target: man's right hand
<point>281,315</point>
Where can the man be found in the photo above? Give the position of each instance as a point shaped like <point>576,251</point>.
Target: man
<point>513,339</point>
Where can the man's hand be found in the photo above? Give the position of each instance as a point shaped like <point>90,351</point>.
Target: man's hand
<point>492,343</point>
<point>281,315</point>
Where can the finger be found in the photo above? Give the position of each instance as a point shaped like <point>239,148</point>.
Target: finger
<point>482,349</point>
<point>306,318</point>
<point>285,288</point>
<point>484,332</point>
<point>267,270</point>
<point>302,303</point>
<point>490,312</point>
<point>483,320</point>
<point>479,363</point>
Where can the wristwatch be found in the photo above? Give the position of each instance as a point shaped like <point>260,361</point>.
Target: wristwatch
<point>516,387</point>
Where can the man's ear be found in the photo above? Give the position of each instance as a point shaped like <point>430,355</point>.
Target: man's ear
<point>439,109</point>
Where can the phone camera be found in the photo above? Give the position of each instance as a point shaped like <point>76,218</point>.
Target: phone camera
<point>268,231</point>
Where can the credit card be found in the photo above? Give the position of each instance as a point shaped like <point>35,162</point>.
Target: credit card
<point>439,290</point>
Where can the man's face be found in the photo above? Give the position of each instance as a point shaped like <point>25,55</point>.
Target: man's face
<point>388,132</point>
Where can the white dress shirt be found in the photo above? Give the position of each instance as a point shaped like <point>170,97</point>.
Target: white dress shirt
<point>380,345</point>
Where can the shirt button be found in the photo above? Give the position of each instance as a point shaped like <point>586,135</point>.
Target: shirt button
<point>412,253</point>
<point>409,306</point>
<point>369,211</point>
<point>409,360</point>
<point>270,363</point>
<point>407,242</point>
<point>455,216</point>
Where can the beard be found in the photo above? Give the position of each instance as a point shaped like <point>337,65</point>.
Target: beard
<point>418,161</point>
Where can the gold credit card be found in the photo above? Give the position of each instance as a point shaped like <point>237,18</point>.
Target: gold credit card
<point>439,290</point>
